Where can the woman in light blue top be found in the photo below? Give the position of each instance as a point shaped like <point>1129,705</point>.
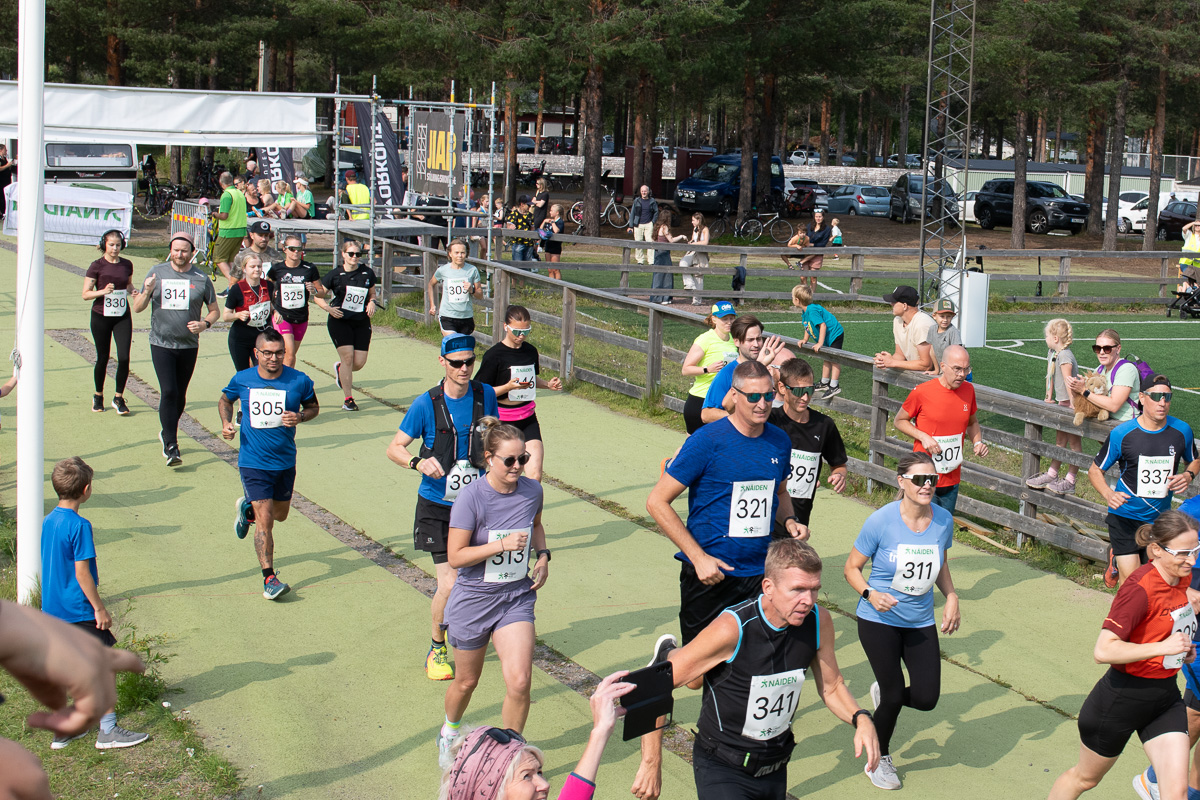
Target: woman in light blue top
<point>906,543</point>
<point>459,281</point>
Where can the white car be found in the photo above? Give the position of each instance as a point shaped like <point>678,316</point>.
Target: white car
<point>1133,219</point>
<point>804,158</point>
<point>1125,201</point>
<point>968,205</point>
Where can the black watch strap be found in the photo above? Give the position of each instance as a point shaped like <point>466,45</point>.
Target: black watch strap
<point>862,712</point>
<point>545,553</point>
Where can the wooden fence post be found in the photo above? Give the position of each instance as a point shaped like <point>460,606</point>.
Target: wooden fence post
<point>427,269</point>
<point>499,303</point>
<point>1162,274</point>
<point>1031,464</point>
<point>1064,275</point>
<point>856,264</point>
<point>624,284</point>
<point>878,429</point>
<point>654,345</point>
<point>566,350</point>
<point>387,270</point>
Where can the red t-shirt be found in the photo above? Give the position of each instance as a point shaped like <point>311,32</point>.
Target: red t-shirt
<point>104,272</point>
<point>938,411</point>
<point>1142,613</point>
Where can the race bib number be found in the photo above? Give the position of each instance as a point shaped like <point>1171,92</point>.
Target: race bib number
<point>802,481</point>
<point>460,475</point>
<point>524,374</point>
<point>176,294</point>
<point>509,565</point>
<point>750,508</point>
<point>355,298</point>
<point>1153,472</point>
<point>266,269</point>
<point>260,314</point>
<point>1185,623</point>
<point>266,408</point>
<point>773,700</point>
<point>917,568</point>
<point>951,456</point>
<point>291,295</point>
<point>116,303</point>
<point>458,290</point>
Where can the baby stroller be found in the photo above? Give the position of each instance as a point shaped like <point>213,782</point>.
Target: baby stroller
<point>1187,293</point>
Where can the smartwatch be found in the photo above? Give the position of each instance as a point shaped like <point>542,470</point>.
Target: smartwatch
<point>862,712</point>
<point>866,594</point>
<point>545,553</point>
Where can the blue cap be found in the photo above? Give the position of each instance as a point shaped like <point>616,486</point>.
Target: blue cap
<point>723,309</point>
<point>457,342</point>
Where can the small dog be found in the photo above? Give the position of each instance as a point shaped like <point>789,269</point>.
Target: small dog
<point>1084,408</point>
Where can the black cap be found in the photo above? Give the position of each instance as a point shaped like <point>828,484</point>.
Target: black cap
<point>1149,382</point>
<point>260,226</point>
<point>523,200</point>
<point>902,294</point>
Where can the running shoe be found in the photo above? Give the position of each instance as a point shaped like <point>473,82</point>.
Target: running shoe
<point>273,588</point>
<point>337,374</point>
<point>437,664</point>
<point>875,696</point>
<point>1041,481</point>
<point>97,402</point>
<point>163,442</point>
<point>223,293</point>
<point>119,737</point>
<point>884,776</point>
<point>174,459</point>
<point>1145,788</point>
<point>662,648</point>
<point>1061,486</point>
<point>831,392</point>
<point>349,405</point>
<point>245,516</point>
<point>1111,575</point>
<point>62,741</point>
<point>444,743</point>
<point>119,404</point>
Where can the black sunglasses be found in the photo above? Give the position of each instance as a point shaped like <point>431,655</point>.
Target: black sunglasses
<point>353,253</point>
<point>1159,397</point>
<point>522,459</point>
<point>1104,348</point>
<point>800,391</point>
<point>754,397</point>
<point>294,249</point>
<point>456,364</point>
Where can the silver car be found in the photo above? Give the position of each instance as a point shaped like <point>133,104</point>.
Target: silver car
<point>857,198</point>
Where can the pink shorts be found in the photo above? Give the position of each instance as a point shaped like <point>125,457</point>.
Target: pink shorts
<point>294,329</point>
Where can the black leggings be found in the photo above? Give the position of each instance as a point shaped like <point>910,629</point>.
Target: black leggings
<point>174,369</point>
<point>691,413</point>
<point>241,347</point>
<point>885,647</point>
<point>105,331</point>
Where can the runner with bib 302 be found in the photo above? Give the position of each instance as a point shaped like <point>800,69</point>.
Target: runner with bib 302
<point>906,543</point>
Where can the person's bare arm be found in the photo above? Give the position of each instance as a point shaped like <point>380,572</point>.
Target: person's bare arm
<point>708,569</point>
<point>905,425</point>
<point>83,575</point>
<point>399,453</point>
<point>975,435</point>
<point>710,415</point>
<point>836,696</point>
<point>1114,499</point>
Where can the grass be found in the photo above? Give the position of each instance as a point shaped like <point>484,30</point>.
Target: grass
<point>174,763</point>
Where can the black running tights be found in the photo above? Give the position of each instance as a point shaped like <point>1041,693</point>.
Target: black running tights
<point>105,331</point>
<point>174,370</point>
<point>886,646</point>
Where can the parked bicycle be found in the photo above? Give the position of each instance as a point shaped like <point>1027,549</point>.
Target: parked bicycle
<point>752,227</point>
<point>615,213</point>
<point>207,183</point>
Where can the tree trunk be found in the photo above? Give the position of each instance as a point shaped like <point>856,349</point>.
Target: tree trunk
<point>1039,149</point>
<point>541,102</point>
<point>113,51</point>
<point>652,128</point>
<point>766,137</point>
<point>1093,180</point>
<point>1156,154</point>
<point>1057,137</point>
<point>1114,169</point>
<point>826,121</point>
<point>637,166</point>
<point>806,132</point>
<point>749,95</point>
<point>858,134</point>
<point>841,134</point>
<point>905,107</point>
<point>289,66</point>
<point>510,139</point>
<point>575,127</point>
<point>593,143</point>
<point>1019,176</point>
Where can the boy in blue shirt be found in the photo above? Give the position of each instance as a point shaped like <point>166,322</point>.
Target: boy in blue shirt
<point>70,580</point>
<point>825,331</point>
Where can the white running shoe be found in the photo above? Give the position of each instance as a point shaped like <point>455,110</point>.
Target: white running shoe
<point>875,696</point>
<point>444,743</point>
<point>884,776</point>
<point>1144,788</point>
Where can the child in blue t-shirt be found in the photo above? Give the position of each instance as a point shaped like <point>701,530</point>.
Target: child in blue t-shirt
<point>825,331</point>
<point>70,581</point>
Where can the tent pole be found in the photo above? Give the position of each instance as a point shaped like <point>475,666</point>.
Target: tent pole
<point>337,160</point>
<point>30,299</point>
<point>374,178</point>
<point>491,171</point>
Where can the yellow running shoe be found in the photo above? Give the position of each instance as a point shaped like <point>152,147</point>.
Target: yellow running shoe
<point>437,664</point>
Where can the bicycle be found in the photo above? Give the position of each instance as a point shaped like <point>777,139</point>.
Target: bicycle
<point>615,213</point>
<point>751,228</point>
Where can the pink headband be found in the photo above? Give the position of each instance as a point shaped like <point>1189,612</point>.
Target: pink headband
<point>481,763</point>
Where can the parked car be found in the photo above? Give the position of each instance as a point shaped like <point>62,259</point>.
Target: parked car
<point>802,158</point>
<point>968,206</point>
<point>905,198</point>
<point>911,160</point>
<point>857,198</point>
<point>1172,219</point>
<point>714,186</point>
<point>1125,201</point>
<point>525,144</point>
<point>1048,206</point>
<point>1134,219</point>
<point>820,195</point>
<point>557,145</point>
<point>608,146</point>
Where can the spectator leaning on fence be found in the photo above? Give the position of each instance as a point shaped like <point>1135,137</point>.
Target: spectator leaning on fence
<point>1121,374</point>
<point>912,330</point>
<point>939,415</point>
<point>641,222</point>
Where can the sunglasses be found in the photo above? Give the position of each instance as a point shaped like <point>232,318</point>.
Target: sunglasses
<point>1159,397</point>
<point>921,480</point>
<point>1184,553</point>
<point>754,397</point>
<point>353,253</point>
<point>293,249</point>
<point>1104,348</point>
<point>801,391</point>
<point>522,459</point>
<point>456,364</point>
<point>520,331</point>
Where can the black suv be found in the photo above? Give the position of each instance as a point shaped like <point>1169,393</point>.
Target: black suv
<point>1048,206</point>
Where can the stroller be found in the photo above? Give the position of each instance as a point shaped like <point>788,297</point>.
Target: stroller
<point>1187,293</point>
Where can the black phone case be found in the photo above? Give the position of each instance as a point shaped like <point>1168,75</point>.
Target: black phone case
<point>650,700</point>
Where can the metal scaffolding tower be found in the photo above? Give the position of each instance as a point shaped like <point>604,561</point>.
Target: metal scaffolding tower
<point>946,137</point>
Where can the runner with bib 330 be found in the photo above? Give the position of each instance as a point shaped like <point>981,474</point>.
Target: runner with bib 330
<point>940,417</point>
<point>1148,450</point>
<point>906,542</point>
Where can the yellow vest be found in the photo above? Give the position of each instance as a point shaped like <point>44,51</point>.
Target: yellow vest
<point>359,195</point>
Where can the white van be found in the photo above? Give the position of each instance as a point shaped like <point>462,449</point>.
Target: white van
<point>111,166</point>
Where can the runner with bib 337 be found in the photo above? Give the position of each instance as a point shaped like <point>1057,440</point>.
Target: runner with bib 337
<point>906,543</point>
<point>1148,450</point>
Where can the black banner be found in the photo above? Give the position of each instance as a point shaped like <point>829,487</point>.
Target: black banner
<point>381,155</point>
<point>439,169</point>
<point>276,164</point>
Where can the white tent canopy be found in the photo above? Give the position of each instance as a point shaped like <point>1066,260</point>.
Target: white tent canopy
<point>91,114</point>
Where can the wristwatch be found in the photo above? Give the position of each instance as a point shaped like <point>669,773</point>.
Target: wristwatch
<point>412,462</point>
<point>545,553</point>
<point>1086,392</point>
<point>866,594</point>
<point>862,712</point>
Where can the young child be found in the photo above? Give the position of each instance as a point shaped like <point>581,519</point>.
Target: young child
<point>1060,364</point>
<point>825,331</point>
<point>70,580</point>
<point>945,335</point>
<point>835,239</point>
<point>797,243</point>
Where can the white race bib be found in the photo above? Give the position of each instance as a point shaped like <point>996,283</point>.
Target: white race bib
<point>508,565</point>
<point>524,374</point>
<point>917,568</point>
<point>355,298</point>
<point>1185,623</point>
<point>460,475</point>
<point>116,302</point>
<point>457,289</point>
<point>266,269</point>
<point>951,456</point>
<point>266,407</point>
<point>772,702</point>
<point>750,508</point>
<point>803,478</point>
<point>176,294</point>
<point>260,314</point>
<point>1153,472</point>
<point>291,295</point>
